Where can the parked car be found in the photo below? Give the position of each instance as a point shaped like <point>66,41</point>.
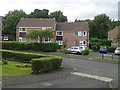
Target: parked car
<point>117,51</point>
<point>103,49</point>
<point>76,49</point>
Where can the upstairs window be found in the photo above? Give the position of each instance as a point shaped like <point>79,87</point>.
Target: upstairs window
<point>79,33</point>
<point>59,33</point>
<point>84,33</point>
<point>47,39</point>
<point>22,30</point>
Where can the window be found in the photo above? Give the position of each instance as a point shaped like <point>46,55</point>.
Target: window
<point>84,33</point>
<point>79,33</point>
<point>59,33</point>
<point>82,43</point>
<point>59,42</point>
<point>22,30</point>
<point>47,39</point>
<point>22,39</point>
<point>59,38</point>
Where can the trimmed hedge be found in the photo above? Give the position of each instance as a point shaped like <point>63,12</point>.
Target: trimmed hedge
<point>46,64</point>
<point>12,45</point>
<point>20,56</point>
<point>111,49</point>
<point>86,52</point>
<point>40,63</point>
<point>45,47</point>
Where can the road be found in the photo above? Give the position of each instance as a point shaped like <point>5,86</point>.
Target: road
<point>91,68</point>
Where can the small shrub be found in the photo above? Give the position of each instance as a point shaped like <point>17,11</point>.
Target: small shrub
<point>94,48</point>
<point>4,62</point>
<point>111,49</point>
<point>86,52</point>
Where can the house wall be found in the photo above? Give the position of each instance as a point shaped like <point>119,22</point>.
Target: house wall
<point>112,35</point>
<point>27,30</point>
<point>72,39</point>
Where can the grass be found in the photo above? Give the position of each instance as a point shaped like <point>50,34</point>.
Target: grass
<point>10,69</point>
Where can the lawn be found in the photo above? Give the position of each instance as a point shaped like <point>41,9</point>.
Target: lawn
<point>10,69</point>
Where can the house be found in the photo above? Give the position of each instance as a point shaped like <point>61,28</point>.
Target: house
<point>112,36</point>
<point>66,33</point>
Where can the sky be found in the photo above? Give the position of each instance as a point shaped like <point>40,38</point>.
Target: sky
<point>80,9</point>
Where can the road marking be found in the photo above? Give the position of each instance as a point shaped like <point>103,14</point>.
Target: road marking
<point>46,84</point>
<point>105,79</point>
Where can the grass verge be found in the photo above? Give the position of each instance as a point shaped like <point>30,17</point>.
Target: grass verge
<point>10,69</point>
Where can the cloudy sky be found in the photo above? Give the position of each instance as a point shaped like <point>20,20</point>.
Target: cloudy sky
<point>80,9</point>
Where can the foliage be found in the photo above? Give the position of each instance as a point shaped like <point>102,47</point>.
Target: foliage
<point>86,52</point>
<point>46,64</point>
<point>10,21</point>
<point>39,35</point>
<point>23,65</point>
<point>58,15</point>
<point>39,14</point>
<point>12,45</point>
<point>111,49</point>
<point>20,56</point>
<point>94,47</point>
<point>45,47</point>
<point>4,62</point>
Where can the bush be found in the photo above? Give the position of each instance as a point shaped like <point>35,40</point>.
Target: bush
<point>106,42</point>
<point>45,47</point>
<point>4,62</point>
<point>111,49</point>
<point>86,52</point>
<point>12,45</point>
<point>46,64</point>
<point>20,56</point>
<point>94,47</point>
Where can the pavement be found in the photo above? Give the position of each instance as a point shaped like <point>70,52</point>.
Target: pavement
<point>56,74</point>
<point>114,84</point>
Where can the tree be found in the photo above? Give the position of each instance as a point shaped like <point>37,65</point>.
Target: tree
<point>102,25</point>
<point>39,14</point>
<point>10,21</point>
<point>58,15</point>
<point>39,35</point>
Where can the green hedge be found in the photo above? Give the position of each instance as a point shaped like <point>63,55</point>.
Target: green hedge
<point>40,63</point>
<point>111,49</point>
<point>86,52</point>
<point>12,45</point>
<point>46,64</point>
<point>45,47</point>
<point>20,56</point>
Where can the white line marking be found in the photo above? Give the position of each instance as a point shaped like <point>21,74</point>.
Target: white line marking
<point>105,79</point>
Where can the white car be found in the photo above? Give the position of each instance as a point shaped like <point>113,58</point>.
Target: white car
<point>117,51</point>
<point>76,49</point>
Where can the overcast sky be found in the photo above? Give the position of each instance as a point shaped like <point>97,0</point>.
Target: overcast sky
<point>80,9</point>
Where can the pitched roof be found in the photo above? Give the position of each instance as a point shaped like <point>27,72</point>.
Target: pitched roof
<point>76,26</point>
<point>115,29</point>
<point>36,22</point>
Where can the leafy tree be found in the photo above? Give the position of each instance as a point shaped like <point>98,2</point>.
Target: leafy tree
<point>39,35</point>
<point>102,25</point>
<point>58,15</point>
<point>39,14</point>
<point>10,21</point>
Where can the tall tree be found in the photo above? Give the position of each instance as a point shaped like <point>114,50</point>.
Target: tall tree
<point>10,21</point>
<point>39,35</point>
<point>102,25</point>
<point>39,14</point>
<point>58,15</point>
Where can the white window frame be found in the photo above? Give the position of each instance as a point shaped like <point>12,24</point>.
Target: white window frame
<point>49,40</point>
<point>79,33</point>
<point>59,42</point>
<point>21,30</point>
<point>85,33</point>
<point>58,32</point>
<point>82,43</point>
<point>21,39</point>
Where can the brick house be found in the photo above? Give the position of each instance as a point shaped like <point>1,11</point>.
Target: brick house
<point>67,34</point>
<point>112,35</point>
